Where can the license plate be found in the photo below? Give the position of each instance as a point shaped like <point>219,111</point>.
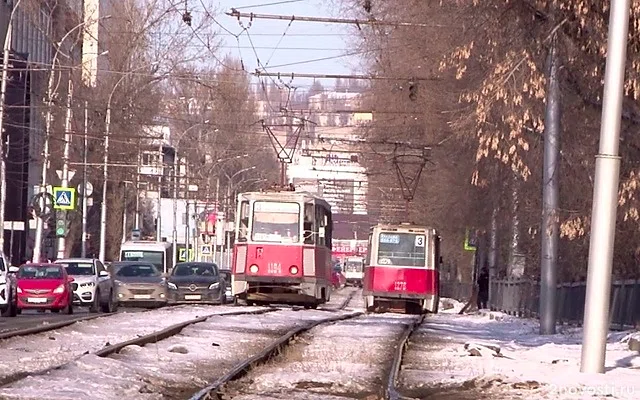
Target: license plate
<point>141,296</point>
<point>192,297</point>
<point>36,300</point>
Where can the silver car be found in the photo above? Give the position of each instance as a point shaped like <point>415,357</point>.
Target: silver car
<point>92,286</point>
<point>139,283</point>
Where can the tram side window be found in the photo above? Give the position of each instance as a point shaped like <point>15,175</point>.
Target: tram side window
<point>309,224</point>
<point>243,229</point>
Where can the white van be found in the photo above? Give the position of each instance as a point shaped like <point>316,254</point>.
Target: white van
<point>159,254</point>
<point>8,299</point>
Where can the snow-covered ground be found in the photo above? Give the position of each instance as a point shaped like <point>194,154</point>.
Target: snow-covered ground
<point>347,359</point>
<point>176,367</point>
<point>33,353</point>
<point>530,366</point>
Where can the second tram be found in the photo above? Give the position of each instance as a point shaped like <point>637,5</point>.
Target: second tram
<point>401,271</point>
<point>282,252</point>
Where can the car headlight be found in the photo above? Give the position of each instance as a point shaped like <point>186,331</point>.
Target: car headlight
<point>19,290</point>
<point>214,285</point>
<point>59,289</point>
<point>87,284</point>
<point>172,286</point>
<point>117,283</point>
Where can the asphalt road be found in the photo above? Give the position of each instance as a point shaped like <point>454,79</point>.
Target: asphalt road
<point>32,318</point>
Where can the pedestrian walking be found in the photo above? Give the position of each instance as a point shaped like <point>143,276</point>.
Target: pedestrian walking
<point>483,289</point>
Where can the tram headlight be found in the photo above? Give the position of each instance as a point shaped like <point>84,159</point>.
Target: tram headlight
<point>253,269</point>
<point>293,269</point>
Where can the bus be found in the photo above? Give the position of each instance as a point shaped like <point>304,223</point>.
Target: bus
<point>282,252</point>
<point>159,254</point>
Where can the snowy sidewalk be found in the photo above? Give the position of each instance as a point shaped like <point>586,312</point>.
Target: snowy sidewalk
<point>526,365</point>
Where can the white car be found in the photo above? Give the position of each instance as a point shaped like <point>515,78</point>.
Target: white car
<point>8,306</point>
<point>92,285</point>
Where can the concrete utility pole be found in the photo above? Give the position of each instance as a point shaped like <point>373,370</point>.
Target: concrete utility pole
<point>65,159</point>
<point>550,201</point>
<point>3,95</point>
<point>85,151</point>
<point>605,195</point>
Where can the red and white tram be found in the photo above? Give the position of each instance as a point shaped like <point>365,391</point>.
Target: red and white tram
<point>402,269</point>
<point>282,252</point>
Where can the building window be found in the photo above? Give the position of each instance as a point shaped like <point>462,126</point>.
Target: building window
<point>150,159</point>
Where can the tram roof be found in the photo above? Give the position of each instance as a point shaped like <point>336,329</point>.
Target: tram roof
<point>286,195</point>
<point>403,227</point>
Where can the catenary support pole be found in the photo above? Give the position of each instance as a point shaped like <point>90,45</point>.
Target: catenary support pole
<point>493,253</point>
<point>605,195</point>
<point>65,159</point>
<point>550,197</point>
<point>3,95</point>
<point>85,151</point>
<point>174,235</point>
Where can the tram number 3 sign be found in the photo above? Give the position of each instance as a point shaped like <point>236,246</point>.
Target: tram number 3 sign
<point>400,285</point>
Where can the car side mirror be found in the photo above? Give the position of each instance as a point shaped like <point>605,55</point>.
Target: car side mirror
<point>70,279</point>
<point>103,274</point>
<point>13,270</point>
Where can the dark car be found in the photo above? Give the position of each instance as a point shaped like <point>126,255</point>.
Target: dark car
<point>196,282</point>
<point>226,274</point>
<point>139,283</point>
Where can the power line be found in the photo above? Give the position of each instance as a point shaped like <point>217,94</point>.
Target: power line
<point>235,13</point>
<point>293,75</point>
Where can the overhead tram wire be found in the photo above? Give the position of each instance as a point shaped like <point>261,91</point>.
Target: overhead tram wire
<point>235,13</point>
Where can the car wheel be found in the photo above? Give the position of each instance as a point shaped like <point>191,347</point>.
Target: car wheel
<point>95,305</point>
<point>108,306</point>
<point>11,310</point>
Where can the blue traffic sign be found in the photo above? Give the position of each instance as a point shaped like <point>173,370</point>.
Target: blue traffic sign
<point>65,198</point>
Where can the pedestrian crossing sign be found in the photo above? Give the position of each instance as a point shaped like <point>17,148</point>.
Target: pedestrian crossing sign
<point>65,198</point>
<point>205,250</point>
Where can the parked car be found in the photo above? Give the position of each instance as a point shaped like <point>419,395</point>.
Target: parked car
<point>226,275</point>
<point>196,282</point>
<point>338,280</point>
<point>43,287</point>
<point>8,298</point>
<point>139,283</point>
<point>93,286</point>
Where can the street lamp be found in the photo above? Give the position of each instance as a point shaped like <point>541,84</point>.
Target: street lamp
<point>103,210</point>
<point>175,189</point>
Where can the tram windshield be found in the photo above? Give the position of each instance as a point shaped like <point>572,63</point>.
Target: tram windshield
<point>402,249</point>
<point>353,266</point>
<point>276,222</point>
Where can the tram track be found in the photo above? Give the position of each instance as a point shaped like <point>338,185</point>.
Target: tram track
<point>391,392</point>
<point>120,351</point>
<point>110,349</point>
<point>212,391</point>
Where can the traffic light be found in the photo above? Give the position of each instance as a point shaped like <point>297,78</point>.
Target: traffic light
<point>61,223</point>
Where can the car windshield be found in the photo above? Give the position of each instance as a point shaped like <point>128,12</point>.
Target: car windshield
<point>74,268</point>
<point>39,272</point>
<point>138,271</point>
<point>195,270</point>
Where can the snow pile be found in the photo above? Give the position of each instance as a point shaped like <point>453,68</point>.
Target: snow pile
<point>461,348</point>
<point>450,306</point>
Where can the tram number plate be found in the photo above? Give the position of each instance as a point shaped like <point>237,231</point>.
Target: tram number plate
<point>400,285</point>
<point>274,268</point>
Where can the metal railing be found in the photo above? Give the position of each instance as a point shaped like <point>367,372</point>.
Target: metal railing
<point>520,297</point>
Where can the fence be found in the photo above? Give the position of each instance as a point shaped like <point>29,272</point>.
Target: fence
<point>521,298</point>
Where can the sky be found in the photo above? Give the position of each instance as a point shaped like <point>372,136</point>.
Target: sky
<point>284,47</point>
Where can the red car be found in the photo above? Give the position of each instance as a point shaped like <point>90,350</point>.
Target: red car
<point>44,287</point>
